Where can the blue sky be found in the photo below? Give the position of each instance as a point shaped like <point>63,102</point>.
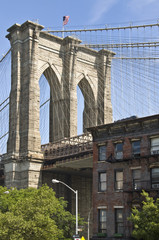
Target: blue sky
<point>83,12</point>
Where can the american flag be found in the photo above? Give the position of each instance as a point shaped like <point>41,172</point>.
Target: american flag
<point>65,19</point>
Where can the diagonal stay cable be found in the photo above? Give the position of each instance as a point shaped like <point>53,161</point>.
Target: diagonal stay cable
<point>5,55</point>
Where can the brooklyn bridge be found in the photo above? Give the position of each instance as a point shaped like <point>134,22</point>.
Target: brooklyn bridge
<point>56,84</point>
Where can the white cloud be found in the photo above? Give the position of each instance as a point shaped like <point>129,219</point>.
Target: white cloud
<point>99,8</point>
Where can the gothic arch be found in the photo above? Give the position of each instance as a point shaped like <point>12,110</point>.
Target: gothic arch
<point>56,105</point>
<point>92,85</point>
<point>89,112</point>
<point>52,66</point>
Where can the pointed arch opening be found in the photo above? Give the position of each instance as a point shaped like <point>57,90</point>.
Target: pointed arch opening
<point>86,105</point>
<point>80,108</point>
<point>50,108</point>
<point>44,109</point>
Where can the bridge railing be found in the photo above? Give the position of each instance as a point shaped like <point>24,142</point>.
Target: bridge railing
<point>68,146</point>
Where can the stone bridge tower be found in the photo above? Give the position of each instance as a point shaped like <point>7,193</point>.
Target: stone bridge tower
<point>65,64</point>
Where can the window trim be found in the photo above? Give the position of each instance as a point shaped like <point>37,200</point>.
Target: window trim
<point>134,168</point>
<point>118,206</point>
<point>102,207</point>
<point>154,136</point>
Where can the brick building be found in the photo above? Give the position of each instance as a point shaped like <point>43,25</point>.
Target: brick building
<point>125,161</point>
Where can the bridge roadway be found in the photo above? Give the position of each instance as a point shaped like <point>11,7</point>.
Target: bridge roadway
<point>69,153</point>
<point>66,155</point>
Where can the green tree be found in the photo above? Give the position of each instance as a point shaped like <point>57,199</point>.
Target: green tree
<point>33,214</point>
<point>146,219</point>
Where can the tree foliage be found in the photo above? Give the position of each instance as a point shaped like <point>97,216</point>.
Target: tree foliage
<point>146,219</point>
<point>33,214</point>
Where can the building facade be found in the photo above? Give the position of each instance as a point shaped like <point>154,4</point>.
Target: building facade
<point>125,161</point>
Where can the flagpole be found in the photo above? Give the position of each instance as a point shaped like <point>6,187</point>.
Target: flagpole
<point>65,21</point>
<point>63,30</point>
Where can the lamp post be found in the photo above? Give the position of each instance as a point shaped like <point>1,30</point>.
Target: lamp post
<point>89,214</point>
<point>76,192</point>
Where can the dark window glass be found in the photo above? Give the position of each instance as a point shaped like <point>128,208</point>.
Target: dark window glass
<point>102,182</point>
<point>136,147</point>
<point>102,221</point>
<point>155,177</point>
<point>118,179</point>
<point>102,153</point>
<point>119,151</point>
<point>136,179</point>
<point>119,225</point>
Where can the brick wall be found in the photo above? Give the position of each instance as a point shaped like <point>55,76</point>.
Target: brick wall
<point>125,132</point>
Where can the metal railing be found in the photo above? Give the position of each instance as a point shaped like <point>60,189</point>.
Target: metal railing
<point>68,146</point>
<point>138,186</point>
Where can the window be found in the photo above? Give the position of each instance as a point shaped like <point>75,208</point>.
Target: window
<point>102,182</point>
<point>155,177</point>
<point>119,150</point>
<point>102,221</point>
<point>118,179</point>
<point>155,145</point>
<point>102,153</point>
<point>119,225</point>
<point>136,148</point>
<point>136,179</point>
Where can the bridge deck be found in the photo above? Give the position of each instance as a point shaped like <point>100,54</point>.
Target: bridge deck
<point>72,152</point>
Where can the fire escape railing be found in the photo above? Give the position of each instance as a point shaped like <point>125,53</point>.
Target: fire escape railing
<point>139,186</point>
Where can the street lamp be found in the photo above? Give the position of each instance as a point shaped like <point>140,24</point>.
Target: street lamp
<point>76,192</point>
<point>89,214</point>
